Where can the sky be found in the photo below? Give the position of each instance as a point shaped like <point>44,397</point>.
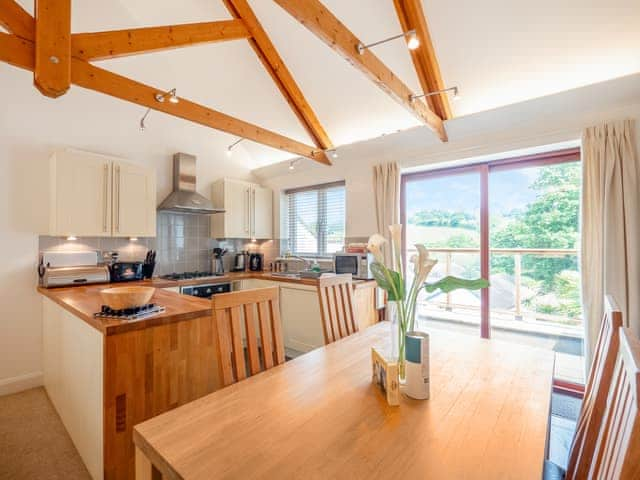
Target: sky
<point>508,190</point>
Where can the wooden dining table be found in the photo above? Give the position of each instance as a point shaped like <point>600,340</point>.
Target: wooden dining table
<point>320,417</point>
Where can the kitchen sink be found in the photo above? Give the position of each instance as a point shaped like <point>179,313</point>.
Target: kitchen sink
<point>285,275</point>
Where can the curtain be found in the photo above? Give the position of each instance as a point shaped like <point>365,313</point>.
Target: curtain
<point>386,190</point>
<point>610,256</point>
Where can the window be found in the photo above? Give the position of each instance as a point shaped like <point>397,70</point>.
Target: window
<point>316,217</point>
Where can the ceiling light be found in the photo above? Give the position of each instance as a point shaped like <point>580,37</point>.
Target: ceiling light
<point>292,163</point>
<point>232,146</point>
<point>412,41</point>
<point>144,117</point>
<point>172,96</point>
<point>333,152</point>
<point>455,90</point>
<point>72,238</point>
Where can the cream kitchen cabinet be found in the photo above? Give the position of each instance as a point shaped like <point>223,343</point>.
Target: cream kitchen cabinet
<point>95,195</point>
<point>134,201</point>
<point>248,210</point>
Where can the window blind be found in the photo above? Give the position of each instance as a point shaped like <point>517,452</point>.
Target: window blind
<point>316,219</point>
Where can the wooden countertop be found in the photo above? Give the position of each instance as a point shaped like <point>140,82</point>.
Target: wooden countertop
<point>319,416</point>
<point>84,301</point>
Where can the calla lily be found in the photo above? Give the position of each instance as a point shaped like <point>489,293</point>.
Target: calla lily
<point>374,245</point>
<point>422,264</point>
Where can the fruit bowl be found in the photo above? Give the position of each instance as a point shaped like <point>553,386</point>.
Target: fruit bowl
<point>118,298</point>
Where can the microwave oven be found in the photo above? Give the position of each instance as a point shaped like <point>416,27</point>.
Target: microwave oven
<point>357,264</point>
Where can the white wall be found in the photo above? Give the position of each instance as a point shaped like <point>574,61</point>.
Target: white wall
<point>556,120</point>
<point>31,126</point>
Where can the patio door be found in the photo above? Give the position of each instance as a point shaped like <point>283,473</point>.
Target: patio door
<point>514,221</point>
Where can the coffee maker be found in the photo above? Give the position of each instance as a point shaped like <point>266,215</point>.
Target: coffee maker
<point>255,262</point>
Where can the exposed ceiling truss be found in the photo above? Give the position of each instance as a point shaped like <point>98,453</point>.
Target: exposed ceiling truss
<point>412,17</point>
<point>58,59</point>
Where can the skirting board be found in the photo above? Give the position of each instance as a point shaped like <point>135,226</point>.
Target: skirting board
<point>20,383</point>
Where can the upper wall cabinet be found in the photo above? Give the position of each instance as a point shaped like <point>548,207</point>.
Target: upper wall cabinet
<point>248,210</point>
<point>95,195</point>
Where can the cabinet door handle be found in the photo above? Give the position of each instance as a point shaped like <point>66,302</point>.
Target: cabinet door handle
<point>253,213</point>
<point>105,191</point>
<point>248,213</point>
<point>118,199</point>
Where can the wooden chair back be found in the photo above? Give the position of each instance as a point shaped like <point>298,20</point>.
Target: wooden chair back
<point>617,454</point>
<point>337,307</point>
<point>596,390</point>
<point>251,318</point>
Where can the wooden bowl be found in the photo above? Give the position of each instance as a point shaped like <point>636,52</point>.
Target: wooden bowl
<point>118,298</point>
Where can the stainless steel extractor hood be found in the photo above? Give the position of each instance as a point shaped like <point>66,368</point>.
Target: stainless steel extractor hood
<point>184,198</point>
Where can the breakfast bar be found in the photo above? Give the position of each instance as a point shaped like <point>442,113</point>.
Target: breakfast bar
<point>319,416</point>
<point>105,375</point>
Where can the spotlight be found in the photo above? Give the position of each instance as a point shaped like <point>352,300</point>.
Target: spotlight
<point>412,40</point>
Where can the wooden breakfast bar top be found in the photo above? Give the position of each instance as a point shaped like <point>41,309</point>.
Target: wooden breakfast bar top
<point>319,416</point>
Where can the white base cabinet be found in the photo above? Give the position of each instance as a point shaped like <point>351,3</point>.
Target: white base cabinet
<point>72,368</point>
<point>299,312</point>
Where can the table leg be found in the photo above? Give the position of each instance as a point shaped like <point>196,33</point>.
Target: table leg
<point>144,468</point>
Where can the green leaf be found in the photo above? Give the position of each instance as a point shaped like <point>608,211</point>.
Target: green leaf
<point>449,283</point>
<point>389,280</point>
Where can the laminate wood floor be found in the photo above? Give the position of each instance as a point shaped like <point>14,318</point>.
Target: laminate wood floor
<point>33,442</point>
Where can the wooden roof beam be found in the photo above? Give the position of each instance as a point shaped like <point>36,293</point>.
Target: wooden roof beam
<point>133,41</point>
<point>20,53</point>
<point>52,74</point>
<point>411,17</point>
<point>16,20</point>
<point>319,20</point>
<point>275,66</point>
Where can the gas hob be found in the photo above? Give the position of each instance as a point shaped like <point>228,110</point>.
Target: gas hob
<point>136,313</point>
<point>190,275</point>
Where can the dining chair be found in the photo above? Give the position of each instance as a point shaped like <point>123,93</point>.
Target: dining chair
<point>617,449</point>
<point>250,317</point>
<point>337,307</point>
<point>596,390</point>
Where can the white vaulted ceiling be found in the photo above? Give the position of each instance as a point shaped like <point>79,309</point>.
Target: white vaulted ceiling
<point>497,52</point>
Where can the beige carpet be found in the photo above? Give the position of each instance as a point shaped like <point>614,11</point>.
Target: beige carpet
<point>33,441</point>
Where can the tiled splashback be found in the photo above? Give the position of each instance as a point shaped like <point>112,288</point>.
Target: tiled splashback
<point>183,244</point>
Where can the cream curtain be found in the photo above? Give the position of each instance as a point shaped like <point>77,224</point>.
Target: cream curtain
<point>386,190</point>
<point>610,257</point>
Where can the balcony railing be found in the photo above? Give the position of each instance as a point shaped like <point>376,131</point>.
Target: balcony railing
<point>519,309</point>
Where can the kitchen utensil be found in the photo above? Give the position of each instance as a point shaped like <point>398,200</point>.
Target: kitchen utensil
<point>118,298</point>
<point>149,264</point>
<point>218,265</point>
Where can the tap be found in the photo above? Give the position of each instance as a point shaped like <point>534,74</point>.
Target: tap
<point>305,261</point>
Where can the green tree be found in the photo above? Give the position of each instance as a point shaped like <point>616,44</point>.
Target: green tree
<point>550,221</point>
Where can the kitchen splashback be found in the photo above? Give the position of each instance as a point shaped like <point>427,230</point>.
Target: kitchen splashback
<point>182,242</point>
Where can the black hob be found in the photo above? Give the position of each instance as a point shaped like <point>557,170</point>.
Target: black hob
<point>190,275</point>
<point>135,313</point>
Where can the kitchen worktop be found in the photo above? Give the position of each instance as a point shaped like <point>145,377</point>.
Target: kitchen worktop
<point>84,301</point>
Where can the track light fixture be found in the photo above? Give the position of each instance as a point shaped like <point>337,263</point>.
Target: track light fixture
<point>159,98</point>
<point>293,163</point>
<point>172,96</point>
<point>456,93</point>
<point>413,41</point>
<point>231,147</point>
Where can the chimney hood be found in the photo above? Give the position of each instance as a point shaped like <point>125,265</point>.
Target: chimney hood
<point>184,198</point>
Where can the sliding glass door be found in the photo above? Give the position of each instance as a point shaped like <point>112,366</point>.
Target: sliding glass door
<point>515,222</point>
<point>443,213</point>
